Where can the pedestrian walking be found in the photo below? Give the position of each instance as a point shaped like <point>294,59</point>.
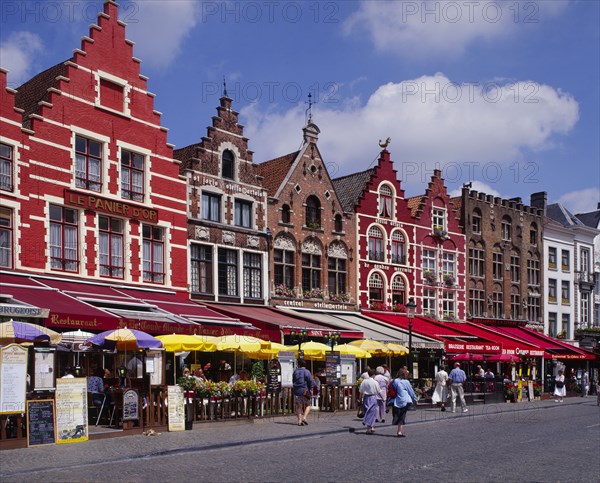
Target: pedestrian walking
<point>382,396</point>
<point>585,383</point>
<point>404,400</point>
<point>303,383</point>
<point>440,394</point>
<point>560,390</point>
<point>369,390</point>
<point>457,377</point>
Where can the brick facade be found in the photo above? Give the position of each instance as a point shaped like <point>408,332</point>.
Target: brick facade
<point>94,174</point>
<point>507,237</point>
<point>312,257</point>
<point>226,214</point>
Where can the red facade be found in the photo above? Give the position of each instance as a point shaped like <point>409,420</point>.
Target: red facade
<point>96,177</point>
<point>407,248</point>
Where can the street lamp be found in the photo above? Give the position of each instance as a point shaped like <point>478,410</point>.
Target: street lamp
<point>332,339</point>
<point>297,337</point>
<point>410,313</point>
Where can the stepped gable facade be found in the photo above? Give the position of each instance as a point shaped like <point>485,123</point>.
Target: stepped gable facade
<point>95,192</point>
<point>227,215</point>
<point>400,253</point>
<point>312,262</point>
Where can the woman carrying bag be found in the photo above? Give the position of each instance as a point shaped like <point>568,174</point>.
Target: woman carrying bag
<point>405,399</point>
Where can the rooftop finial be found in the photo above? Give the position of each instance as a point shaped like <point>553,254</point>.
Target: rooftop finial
<point>224,87</point>
<point>309,110</point>
<point>385,144</point>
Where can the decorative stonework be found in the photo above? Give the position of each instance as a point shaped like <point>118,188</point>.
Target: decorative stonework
<point>311,247</point>
<point>202,233</point>
<point>337,250</point>
<point>253,241</point>
<point>228,237</point>
<point>284,243</point>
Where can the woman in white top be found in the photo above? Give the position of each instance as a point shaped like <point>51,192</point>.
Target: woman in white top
<point>560,390</point>
<point>369,390</point>
<point>441,389</point>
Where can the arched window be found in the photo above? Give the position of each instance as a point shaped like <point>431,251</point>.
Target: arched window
<point>375,288</point>
<point>313,212</point>
<point>533,234</point>
<point>285,214</point>
<point>476,221</point>
<point>398,249</point>
<point>284,261</point>
<point>227,164</point>
<point>375,244</point>
<point>385,202</point>
<point>311,268</point>
<point>336,271</point>
<point>338,226</point>
<point>398,291</point>
<point>506,229</point>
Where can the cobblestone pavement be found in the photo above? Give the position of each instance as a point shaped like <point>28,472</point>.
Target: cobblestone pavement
<point>23,464</point>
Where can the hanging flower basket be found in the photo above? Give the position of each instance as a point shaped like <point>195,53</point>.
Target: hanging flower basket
<point>429,277</point>
<point>440,233</point>
<point>449,280</point>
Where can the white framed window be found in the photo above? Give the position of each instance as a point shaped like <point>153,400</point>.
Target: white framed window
<point>153,248</point>
<point>211,206</point>
<point>252,275</point>
<point>64,234</point>
<point>88,163</point>
<point>398,291</point>
<point>506,229</point>
<point>376,251</point>
<point>110,246</point>
<point>6,237</point>
<point>375,288</point>
<point>398,248</point>
<point>448,305</point>
<point>243,213</point>
<point>228,272</point>
<point>132,175</point>
<point>429,302</point>
<point>438,217</point>
<point>385,209</point>
<point>448,264</point>
<point>6,167</point>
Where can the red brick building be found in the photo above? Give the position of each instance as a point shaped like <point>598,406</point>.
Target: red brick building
<point>93,206</point>
<point>405,248</point>
<point>312,262</point>
<point>227,216</point>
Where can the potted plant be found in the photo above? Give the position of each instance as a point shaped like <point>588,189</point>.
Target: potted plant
<point>283,291</point>
<point>399,308</point>
<point>188,385</point>
<point>429,276</point>
<point>449,279</point>
<point>339,297</point>
<point>258,371</point>
<point>315,293</point>
<point>377,306</point>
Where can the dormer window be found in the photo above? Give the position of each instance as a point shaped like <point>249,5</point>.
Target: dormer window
<point>338,225</point>
<point>227,164</point>
<point>112,95</point>
<point>385,201</point>
<point>438,217</point>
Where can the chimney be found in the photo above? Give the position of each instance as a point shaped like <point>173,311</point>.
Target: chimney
<point>539,201</point>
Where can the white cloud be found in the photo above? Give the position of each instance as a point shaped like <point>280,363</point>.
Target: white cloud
<point>443,28</point>
<point>460,129</point>
<point>477,186</point>
<point>581,201</point>
<point>16,54</point>
<point>160,28</point>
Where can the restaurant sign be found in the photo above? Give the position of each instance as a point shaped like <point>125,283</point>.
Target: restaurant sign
<point>477,348</point>
<point>23,311</point>
<point>110,207</point>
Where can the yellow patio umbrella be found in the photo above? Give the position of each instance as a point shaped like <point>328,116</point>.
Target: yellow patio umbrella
<point>374,347</point>
<point>313,351</point>
<point>352,349</point>
<point>241,343</point>
<point>184,343</point>
<point>270,353</point>
<point>398,349</point>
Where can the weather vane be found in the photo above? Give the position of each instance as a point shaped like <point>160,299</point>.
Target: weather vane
<point>385,144</point>
<point>309,110</point>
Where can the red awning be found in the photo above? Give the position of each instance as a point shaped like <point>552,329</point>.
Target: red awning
<point>510,344</point>
<point>455,338</point>
<point>268,317</point>
<point>556,348</point>
<point>64,311</point>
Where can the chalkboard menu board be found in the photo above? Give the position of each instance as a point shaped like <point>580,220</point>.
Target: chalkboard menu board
<point>333,369</point>
<point>40,422</point>
<point>274,377</point>
<point>131,405</point>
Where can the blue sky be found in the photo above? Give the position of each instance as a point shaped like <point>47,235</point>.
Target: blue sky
<point>504,94</point>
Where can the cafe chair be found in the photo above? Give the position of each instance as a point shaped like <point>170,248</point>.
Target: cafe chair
<point>109,404</point>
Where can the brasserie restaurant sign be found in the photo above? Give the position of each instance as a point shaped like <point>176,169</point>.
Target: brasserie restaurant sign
<point>110,207</point>
<point>479,348</point>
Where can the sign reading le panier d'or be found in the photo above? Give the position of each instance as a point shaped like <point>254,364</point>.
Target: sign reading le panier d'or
<point>110,207</point>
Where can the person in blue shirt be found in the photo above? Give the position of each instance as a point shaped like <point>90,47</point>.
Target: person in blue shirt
<point>303,384</point>
<point>458,377</point>
<point>405,398</point>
